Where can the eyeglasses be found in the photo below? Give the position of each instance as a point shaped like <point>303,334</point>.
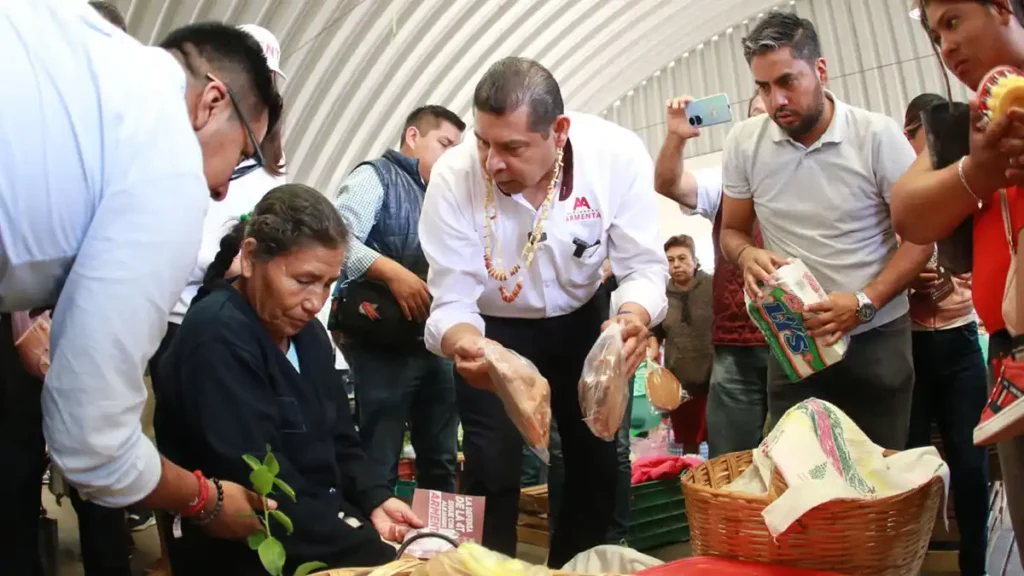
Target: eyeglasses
<point>254,161</point>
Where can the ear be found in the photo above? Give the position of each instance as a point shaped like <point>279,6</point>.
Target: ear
<point>212,97</point>
<point>561,130</point>
<point>1004,11</point>
<point>412,134</point>
<point>821,67</point>
<point>247,257</point>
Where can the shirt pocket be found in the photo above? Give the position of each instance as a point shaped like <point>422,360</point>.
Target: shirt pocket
<point>290,416</point>
<point>584,250</point>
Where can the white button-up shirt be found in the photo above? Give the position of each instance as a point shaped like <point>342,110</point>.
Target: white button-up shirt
<point>102,198</point>
<point>612,213</point>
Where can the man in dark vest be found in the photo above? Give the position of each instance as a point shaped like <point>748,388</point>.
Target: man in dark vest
<point>397,381</point>
<point>738,397</point>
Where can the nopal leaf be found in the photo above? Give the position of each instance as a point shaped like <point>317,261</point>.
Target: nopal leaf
<point>257,538</point>
<point>271,463</point>
<point>272,556</point>
<point>251,460</point>
<point>262,480</point>
<point>284,520</point>
<point>285,488</point>
<point>308,567</point>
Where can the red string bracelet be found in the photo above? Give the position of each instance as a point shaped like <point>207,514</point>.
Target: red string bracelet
<point>195,508</point>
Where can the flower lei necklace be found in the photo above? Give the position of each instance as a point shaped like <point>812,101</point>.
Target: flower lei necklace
<point>494,265</point>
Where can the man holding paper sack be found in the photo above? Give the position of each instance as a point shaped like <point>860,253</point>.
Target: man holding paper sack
<point>817,173</point>
<point>516,224</point>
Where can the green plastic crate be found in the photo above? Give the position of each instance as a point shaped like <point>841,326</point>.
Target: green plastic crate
<point>658,539</point>
<point>657,515</point>
<point>404,489</point>
<point>655,493</point>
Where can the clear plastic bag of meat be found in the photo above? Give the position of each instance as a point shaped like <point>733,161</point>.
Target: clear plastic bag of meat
<point>525,394</point>
<point>604,384</point>
<point>664,391</point>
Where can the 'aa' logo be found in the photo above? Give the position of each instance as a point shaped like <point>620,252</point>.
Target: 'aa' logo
<point>581,202</point>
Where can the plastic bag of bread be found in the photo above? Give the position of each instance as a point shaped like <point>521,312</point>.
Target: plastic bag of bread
<point>604,384</point>
<point>525,394</point>
<point>471,559</point>
<point>664,391</point>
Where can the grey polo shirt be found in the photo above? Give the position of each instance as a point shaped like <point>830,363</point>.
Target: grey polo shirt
<point>827,204</point>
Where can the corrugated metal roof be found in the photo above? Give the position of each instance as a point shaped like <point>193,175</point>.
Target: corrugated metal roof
<point>356,68</point>
<point>878,59</point>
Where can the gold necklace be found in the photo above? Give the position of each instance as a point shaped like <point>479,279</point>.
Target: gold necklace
<point>494,266</point>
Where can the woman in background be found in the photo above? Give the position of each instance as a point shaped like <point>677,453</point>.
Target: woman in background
<point>251,367</point>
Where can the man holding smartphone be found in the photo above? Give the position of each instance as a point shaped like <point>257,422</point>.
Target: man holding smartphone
<point>820,189</point>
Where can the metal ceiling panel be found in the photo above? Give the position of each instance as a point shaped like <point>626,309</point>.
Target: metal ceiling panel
<point>878,59</point>
<point>356,68</point>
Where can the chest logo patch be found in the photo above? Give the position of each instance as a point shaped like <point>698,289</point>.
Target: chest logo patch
<point>581,211</point>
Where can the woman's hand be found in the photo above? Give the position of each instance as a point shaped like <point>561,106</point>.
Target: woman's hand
<point>393,519</point>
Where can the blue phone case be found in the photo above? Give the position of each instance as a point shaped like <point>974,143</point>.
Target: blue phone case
<point>709,111</point>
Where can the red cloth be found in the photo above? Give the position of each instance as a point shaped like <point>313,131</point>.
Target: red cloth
<point>651,468</point>
<point>690,422</point>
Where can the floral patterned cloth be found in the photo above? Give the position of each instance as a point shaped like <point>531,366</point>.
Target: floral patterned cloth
<point>824,456</point>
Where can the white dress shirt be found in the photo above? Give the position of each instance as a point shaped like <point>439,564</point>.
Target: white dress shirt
<point>102,198</point>
<point>243,195</point>
<point>612,211</point>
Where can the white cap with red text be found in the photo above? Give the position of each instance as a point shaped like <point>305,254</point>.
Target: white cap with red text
<point>270,45</point>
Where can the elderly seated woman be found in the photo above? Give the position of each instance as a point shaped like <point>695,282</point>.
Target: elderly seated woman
<point>251,367</point>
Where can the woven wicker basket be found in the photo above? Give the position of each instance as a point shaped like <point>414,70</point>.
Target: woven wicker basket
<point>887,536</point>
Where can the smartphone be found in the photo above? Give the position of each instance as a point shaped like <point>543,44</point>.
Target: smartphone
<point>709,111</point>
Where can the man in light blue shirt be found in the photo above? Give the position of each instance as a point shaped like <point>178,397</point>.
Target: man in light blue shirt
<point>102,198</point>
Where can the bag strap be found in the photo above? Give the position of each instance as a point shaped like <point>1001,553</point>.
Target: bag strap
<point>1007,223</point>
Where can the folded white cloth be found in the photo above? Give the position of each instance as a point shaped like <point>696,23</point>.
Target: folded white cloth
<point>610,560</point>
<point>824,456</point>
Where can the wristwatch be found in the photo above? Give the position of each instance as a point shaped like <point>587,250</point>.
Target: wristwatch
<point>865,308</point>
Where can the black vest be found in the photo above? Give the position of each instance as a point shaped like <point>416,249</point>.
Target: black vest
<point>396,233</point>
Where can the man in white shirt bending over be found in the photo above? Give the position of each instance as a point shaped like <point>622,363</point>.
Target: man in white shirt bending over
<point>817,174</point>
<point>102,198</point>
<point>574,189</point>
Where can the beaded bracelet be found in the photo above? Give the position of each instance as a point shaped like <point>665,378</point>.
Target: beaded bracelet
<point>206,519</point>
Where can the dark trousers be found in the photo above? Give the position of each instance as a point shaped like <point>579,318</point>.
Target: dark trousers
<point>23,453</point>
<point>873,384</point>
<point>494,448</point>
<point>104,538</point>
<point>415,387</point>
<point>950,389</point>
<point>737,399</point>
<point>619,528</point>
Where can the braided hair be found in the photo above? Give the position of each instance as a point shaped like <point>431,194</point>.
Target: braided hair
<point>289,216</point>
